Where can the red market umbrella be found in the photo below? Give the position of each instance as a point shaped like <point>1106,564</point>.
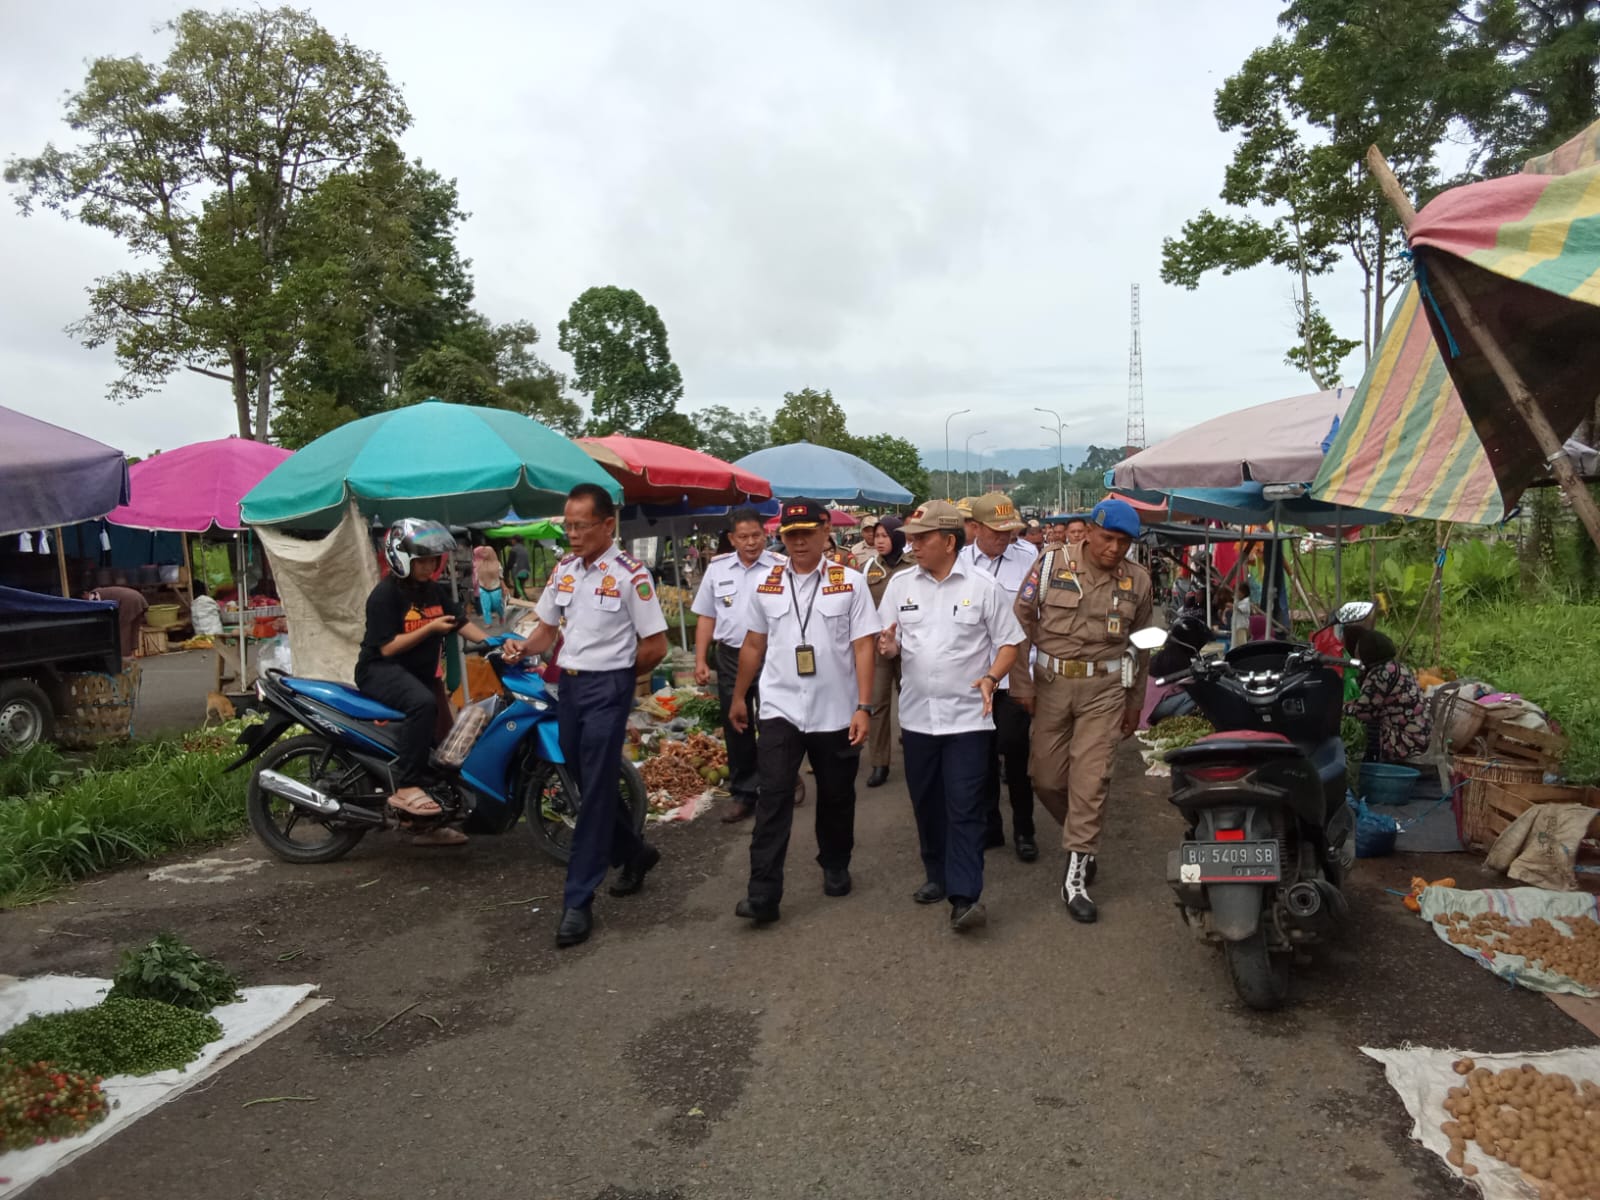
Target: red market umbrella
<point>194,489</point>
<point>838,518</point>
<point>653,472</point>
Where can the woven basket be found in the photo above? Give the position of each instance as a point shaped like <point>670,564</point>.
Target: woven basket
<point>1472,778</point>
<point>99,708</point>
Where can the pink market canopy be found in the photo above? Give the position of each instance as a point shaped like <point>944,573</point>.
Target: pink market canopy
<point>196,488</point>
<point>51,476</point>
<point>1280,442</point>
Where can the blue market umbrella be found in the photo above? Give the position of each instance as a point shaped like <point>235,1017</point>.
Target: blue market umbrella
<point>821,473</point>
<point>454,463</point>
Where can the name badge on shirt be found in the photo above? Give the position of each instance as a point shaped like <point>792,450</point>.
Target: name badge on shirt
<point>805,661</point>
<point>1114,625</point>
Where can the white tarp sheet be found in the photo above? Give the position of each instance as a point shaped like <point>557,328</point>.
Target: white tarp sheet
<point>264,1011</point>
<point>1424,1077</point>
<point>1521,906</point>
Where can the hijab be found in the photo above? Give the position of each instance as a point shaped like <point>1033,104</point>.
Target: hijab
<point>897,539</point>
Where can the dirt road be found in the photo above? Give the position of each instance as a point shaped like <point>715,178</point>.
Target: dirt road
<point>856,1049</point>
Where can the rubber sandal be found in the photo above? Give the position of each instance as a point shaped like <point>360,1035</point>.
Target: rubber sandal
<point>415,802</point>
<point>444,835</point>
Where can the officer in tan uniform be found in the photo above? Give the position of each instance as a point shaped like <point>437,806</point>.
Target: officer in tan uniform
<point>1078,607</point>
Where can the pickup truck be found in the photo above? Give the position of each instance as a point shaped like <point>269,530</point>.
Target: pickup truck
<point>42,637</point>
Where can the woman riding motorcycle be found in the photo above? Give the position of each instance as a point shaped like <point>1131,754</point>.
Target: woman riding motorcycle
<point>408,615</point>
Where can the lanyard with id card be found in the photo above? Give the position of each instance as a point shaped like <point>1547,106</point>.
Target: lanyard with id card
<point>805,655</point>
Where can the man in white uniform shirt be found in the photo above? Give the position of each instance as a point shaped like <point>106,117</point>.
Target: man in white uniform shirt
<point>601,603</point>
<point>722,605</point>
<point>990,549</point>
<point>812,639</point>
<point>953,628</point>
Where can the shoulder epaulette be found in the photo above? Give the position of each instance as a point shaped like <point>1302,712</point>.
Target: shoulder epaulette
<point>628,562</point>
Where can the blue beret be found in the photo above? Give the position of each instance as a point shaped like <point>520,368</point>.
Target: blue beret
<point>1116,515</point>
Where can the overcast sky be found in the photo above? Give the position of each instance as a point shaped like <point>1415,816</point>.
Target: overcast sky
<point>922,206</point>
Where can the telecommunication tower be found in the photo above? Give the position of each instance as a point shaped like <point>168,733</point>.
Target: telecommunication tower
<point>1135,383</point>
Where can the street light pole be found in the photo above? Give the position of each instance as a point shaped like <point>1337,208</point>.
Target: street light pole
<point>947,421</point>
<point>967,465</point>
<point>1061,474</point>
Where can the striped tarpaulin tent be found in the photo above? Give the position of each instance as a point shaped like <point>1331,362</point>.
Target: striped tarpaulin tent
<point>1426,422</point>
<point>1405,445</point>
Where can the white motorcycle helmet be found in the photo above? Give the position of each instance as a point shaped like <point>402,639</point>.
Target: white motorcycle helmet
<point>411,538</point>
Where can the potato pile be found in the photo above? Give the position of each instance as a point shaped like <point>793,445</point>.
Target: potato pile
<point>1547,1126</point>
<point>680,771</point>
<point>1577,956</point>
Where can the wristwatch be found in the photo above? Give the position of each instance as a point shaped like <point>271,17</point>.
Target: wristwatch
<point>991,679</point>
<point>866,708</point>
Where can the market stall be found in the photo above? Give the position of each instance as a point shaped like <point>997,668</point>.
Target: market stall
<point>822,473</point>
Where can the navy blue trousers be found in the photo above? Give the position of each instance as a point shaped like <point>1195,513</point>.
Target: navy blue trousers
<point>945,774</point>
<point>592,718</point>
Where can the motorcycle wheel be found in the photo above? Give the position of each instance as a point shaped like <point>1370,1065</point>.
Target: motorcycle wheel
<point>550,800</point>
<point>290,832</point>
<point>1261,979</point>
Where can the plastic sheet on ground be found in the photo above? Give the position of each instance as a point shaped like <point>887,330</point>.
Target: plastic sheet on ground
<point>263,1012</point>
<point>1423,1079</point>
<point>1521,906</point>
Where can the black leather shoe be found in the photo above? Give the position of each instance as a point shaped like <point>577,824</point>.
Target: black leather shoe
<point>738,811</point>
<point>576,925</point>
<point>1090,872</point>
<point>928,893</point>
<point>968,916</point>
<point>1082,909</point>
<point>631,878</point>
<point>994,839</point>
<point>879,777</point>
<point>762,912</point>
<point>1027,848</point>
<point>836,882</point>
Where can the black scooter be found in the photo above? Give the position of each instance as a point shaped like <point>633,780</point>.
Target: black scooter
<point>1269,837</point>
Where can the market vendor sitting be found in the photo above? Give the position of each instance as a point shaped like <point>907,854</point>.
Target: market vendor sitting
<point>408,616</point>
<point>1390,702</point>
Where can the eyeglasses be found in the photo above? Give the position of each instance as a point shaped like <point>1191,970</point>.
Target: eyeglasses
<point>584,526</point>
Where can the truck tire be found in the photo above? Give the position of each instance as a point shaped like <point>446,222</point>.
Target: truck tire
<point>26,718</point>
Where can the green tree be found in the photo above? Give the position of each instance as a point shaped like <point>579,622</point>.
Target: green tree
<point>673,427</point>
<point>203,166</point>
<point>896,458</point>
<point>730,435</point>
<point>618,345</point>
<point>810,416</point>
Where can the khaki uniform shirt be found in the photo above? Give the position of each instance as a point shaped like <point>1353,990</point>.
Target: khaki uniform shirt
<point>1071,609</point>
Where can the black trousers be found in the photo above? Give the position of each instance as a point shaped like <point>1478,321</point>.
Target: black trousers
<point>391,684</point>
<point>1012,725</point>
<point>743,779</point>
<point>835,762</point>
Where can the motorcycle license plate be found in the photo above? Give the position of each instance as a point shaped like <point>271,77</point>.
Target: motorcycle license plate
<point>1229,862</point>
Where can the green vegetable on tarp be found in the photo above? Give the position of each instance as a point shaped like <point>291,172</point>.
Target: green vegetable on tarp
<point>702,711</point>
<point>167,970</point>
<point>1177,732</point>
<point>118,1036</point>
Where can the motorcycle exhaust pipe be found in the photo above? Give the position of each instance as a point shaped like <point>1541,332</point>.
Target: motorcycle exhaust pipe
<point>305,796</point>
<point>1303,900</point>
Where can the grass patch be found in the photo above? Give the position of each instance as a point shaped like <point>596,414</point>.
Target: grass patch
<point>129,803</point>
<point>1545,652</point>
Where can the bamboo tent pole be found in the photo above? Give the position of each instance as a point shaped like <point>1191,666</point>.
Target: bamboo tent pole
<point>1516,389</point>
<point>61,563</point>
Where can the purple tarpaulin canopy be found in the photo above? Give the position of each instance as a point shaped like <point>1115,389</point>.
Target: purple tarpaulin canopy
<point>51,476</point>
<point>1280,442</point>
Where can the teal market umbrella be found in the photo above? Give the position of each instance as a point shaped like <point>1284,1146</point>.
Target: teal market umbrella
<point>454,463</point>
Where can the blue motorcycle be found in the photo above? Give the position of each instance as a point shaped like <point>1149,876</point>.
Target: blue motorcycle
<point>314,796</point>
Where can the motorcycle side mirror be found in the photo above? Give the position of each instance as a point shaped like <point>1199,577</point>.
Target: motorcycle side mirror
<point>1148,639</point>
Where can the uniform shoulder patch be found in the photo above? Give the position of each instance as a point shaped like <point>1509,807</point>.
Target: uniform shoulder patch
<point>723,555</point>
<point>773,585</point>
<point>641,585</point>
<point>628,562</point>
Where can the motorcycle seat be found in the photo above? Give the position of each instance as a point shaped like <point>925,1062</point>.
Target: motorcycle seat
<point>1231,745</point>
<point>1244,735</point>
<point>341,697</point>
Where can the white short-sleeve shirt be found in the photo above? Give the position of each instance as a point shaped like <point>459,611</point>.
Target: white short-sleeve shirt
<point>840,611</point>
<point>1010,570</point>
<point>602,610</point>
<point>726,591</point>
<point>949,631</point>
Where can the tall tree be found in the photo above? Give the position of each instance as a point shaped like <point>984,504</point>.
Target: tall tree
<point>896,458</point>
<point>203,165</point>
<point>618,345</point>
<point>810,416</point>
<point>729,435</point>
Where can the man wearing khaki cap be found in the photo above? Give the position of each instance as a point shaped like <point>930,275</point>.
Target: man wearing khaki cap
<point>993,521</point>
<point>952,628</point>
<point>1079,607</point>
